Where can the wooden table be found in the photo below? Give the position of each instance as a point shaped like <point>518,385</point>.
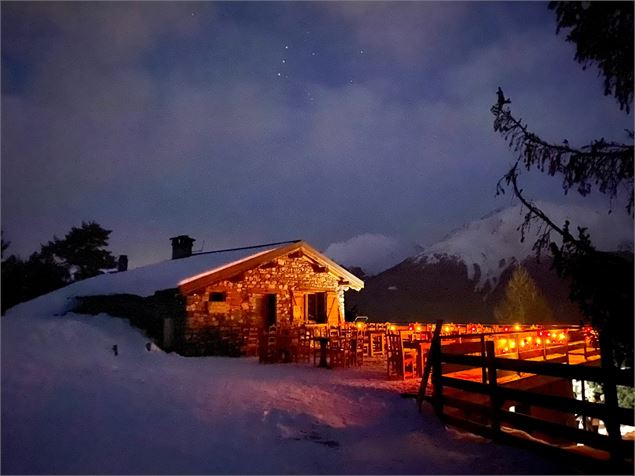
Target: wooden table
<point>422,347</point>
<point>324,342</point>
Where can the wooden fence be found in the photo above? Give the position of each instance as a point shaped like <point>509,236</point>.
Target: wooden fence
<point>481,404</point>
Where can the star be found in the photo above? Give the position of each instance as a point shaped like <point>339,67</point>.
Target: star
<point>279,74</point>
<point>313,53</point>
<point>284,60</point>
<point>286,47</point>
<point>361,52</point>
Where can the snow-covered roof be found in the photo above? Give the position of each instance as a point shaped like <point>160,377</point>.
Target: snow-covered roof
<point>146,280</point>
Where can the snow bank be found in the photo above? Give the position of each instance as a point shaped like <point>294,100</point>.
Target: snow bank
<point>69,405</point>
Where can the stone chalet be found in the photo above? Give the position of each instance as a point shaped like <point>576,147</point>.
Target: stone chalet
<point>229,294</point>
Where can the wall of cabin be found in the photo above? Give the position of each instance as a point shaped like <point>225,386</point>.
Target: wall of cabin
<point>221,327</point>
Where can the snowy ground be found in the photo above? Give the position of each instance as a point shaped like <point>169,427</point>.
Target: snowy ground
<point>69,405</point>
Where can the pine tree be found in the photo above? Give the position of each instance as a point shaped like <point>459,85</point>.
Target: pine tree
<point>601,282</point>
<point>82,251</point>
<point>523,302</point>
<point>79,255</point>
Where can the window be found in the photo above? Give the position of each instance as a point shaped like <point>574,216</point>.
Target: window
<point>217,297</point>
<point>316,307</point>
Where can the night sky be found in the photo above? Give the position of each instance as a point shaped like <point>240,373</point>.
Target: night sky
<point>242,123</point>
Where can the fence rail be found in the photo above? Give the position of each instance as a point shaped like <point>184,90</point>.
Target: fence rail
<point>479,404</point>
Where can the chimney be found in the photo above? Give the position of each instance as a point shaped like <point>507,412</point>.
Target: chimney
<point>122,264</point>
<point>181,246</point>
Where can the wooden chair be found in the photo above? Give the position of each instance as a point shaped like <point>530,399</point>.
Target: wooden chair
<point>400,362</point>
<point>358,347</point>
<point>269,345</point>
<point>251,346</point>
<point>340,350</point>
<point>304,349</point>
<point>316,331</point>
<point>285,344</point>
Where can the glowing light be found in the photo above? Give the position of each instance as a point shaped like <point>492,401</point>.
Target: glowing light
<point>538,341</point>
<point>529,339</point>
<point>512,344</point>
<point>548,341</point>
<point>562,336</point>
<point>418,328</point>
<point>502,342</point>
<point>522,343</point>
<point>516,327</point>
<point>393,328</point>
<point>446,328</point>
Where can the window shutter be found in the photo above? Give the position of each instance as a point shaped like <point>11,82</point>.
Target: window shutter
<point>297,301</point>
<point>333,309</point>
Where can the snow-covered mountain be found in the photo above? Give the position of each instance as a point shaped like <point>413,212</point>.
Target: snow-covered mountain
<point>490,245</point>
<point>462,277</point>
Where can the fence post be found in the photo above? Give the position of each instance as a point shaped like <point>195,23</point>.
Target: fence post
<point>493,388</point>
<point>483,361</point>
<point>611,422</point>
<point>435,352</point>
<point>429,359</point>
<point>544,348</point>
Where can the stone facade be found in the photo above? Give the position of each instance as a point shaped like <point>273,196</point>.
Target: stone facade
<point>219,316</point>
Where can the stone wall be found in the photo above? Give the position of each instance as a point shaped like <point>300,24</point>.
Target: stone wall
<point>216,327</point>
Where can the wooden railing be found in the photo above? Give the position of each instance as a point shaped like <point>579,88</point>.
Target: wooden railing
<point>481,404</point>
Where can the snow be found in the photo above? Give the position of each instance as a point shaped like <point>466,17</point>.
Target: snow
<point>69,405</point>
<point>492,243</point>
<point>143,281</point>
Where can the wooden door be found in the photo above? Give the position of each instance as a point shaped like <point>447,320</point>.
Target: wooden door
<point>266,309</point>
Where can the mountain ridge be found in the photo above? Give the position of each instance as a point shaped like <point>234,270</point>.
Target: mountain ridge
<point>462,277</point>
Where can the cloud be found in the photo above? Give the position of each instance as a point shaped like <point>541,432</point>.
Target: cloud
<point>370,251</point>
<point>156,122</point>
<point>408,31</point>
